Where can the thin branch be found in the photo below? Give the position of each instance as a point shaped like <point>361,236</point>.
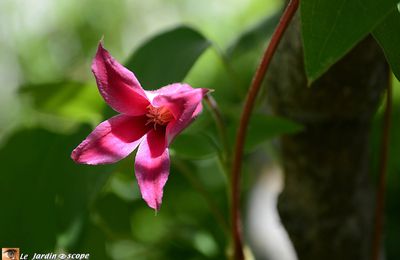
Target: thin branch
<point>383,165</point>
<point>219,121</point>
<point>196,183</point>
<point>244,120</point>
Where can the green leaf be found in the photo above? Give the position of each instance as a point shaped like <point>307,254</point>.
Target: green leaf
<point>44,193</point>
<point>118,224</point>
<point>387,33</point>
<point>244,53</point>
<point>193,146</point>
<point>331,28</point>
<point>263,128</point>
<point>255,37</point>
<point>94,242</point>
<point>168,57</point>
<point>27,219</point>
<point>70,102</point>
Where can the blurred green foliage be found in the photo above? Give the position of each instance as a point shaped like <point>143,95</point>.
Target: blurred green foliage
<point>388,36</point>
<point>167,57</point>
<point>51,204</point>
<point>331,28</point>
<point>51,103</point>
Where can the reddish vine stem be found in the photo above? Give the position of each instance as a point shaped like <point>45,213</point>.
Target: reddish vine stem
<point>383,165</point>
<point>255,86</point>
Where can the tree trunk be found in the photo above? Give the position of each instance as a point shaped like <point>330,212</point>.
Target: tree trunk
<point>327,205</point>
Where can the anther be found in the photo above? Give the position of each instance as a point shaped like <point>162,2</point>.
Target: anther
<point>158,116</point>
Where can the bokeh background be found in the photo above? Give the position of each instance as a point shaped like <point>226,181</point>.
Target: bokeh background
<point>49,103</point>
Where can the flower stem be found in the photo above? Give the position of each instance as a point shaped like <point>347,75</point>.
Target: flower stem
<point>219,121</point>
<point>383,165</point>
<point>224,155</point>
<point>244,120</point>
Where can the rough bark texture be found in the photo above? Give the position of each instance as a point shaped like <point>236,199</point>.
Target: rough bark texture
<point>327,205</point>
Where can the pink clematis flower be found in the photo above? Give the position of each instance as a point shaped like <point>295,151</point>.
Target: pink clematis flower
<point>148,119</point>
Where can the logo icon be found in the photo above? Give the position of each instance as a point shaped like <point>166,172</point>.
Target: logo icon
<point>10,254</point>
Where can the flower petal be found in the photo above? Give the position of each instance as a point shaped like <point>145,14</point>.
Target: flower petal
<point>183,101</point>
<point>156,141</point>
<point>168,90</point>
<point>152,169</point>
<point>118,86</point>
<point>111,141</point>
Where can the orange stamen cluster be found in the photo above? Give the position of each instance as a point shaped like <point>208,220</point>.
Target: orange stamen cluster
<point>158,116</point>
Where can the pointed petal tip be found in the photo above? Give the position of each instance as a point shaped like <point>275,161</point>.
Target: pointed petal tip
<point>154,204</point>
<point>205,91</point>
<point>77,158</point>
<point>100,47</point>
<point>152,200</point>
<point>102,54</point>
<point>99,54</point>
<point>75,155</point>
<point>118,86</point>
<point>151,174</point>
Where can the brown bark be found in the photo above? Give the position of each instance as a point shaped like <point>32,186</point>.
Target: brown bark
<point>327,205</point>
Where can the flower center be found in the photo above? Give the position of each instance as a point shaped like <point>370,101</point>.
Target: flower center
<point>158,116</point>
